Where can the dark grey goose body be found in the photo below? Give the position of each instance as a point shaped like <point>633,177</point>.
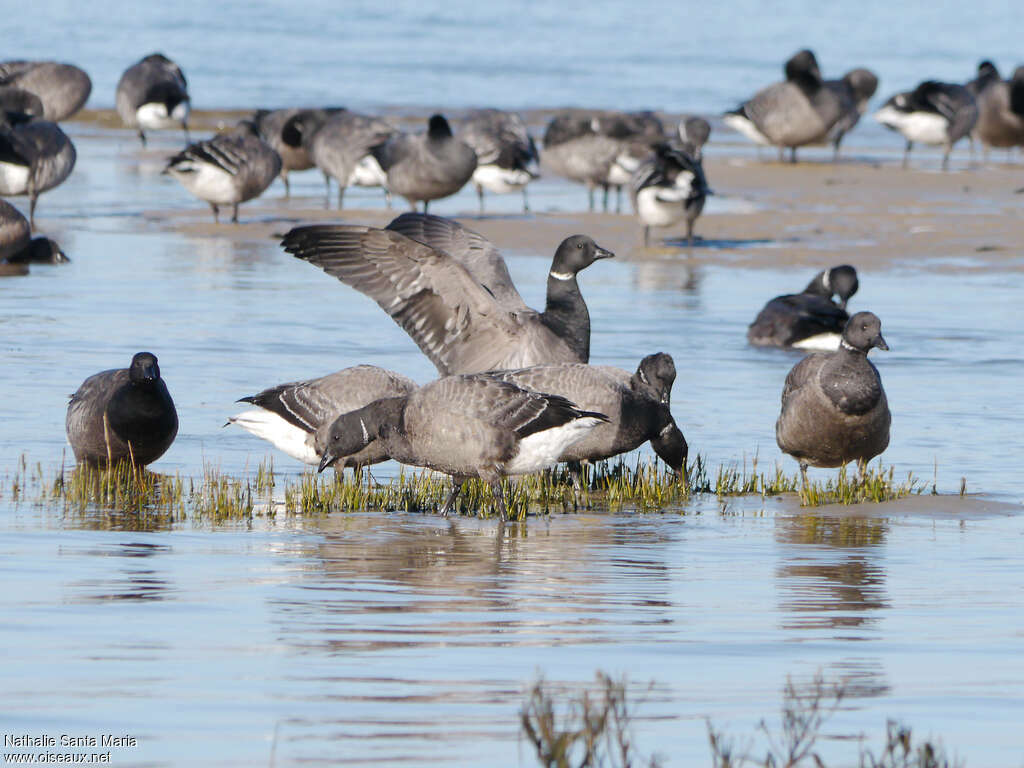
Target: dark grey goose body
<point>18,248</point>
<point>853,92</point>
<point>125,413</point>
<point>35,156</point>
<point>152,94</point>
<point>471,425</point>
<point>344,150</point>
<point>1000,107</point>
<point>289,132</point>
<point>61,88</point>
<point>426,166</point>
<point>669,187</point>
<point>834,408</point>
<point>807,320</point>
<point>600,149</point>
<point>507,157</point>
<point>637,406</point>
<point>295,417</point>
<point>798,111</point>
<point>228,169</point>
<point>454,318</point>
<point>933,113</point>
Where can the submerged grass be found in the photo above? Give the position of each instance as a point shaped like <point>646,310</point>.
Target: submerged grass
<point>644,486</point>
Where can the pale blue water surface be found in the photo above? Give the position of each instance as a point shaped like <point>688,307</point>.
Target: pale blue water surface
<point>405,639</point>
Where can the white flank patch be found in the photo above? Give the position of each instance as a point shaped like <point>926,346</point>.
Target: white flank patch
<point>268,425</point>
<point>154,116</point>
<point>656,207</point>
<point>181,111</point>
<point>823,342</point>
<point>13,179</point>
<point>367,173</point>
<point>621,171</point>
<point>500,181</point>
<point>543,449</point>
<point>208,182</point>
<point>923,127</point>
<point>742,125</point>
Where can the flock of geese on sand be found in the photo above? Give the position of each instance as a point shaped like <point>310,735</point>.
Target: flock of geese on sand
<point>516,393</point>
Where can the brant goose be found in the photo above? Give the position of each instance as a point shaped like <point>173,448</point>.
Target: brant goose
<point>694,133</point>
<point>35,156</point>
<point>507,157</point>
<point>18,248</point>
<point>933,113</point>
<point>61,88</point>
<point>472,425</point>
<point>343,150</point>
<point>834,409</point>
<point>797,111</point>
<point>228,169</point>
<point>152,95</point>
<point>426,166</point>
<point>637,406</point>
<point>808,320</point>
<point>602,149</point>
<point>295,417</point>
<point>853,92</point>
<point>124,413</point>
<point>288,132</point>
<point>1000,107</point>
<point>667,188</point>
<point>457,320</point>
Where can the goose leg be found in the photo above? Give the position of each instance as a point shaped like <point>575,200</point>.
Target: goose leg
<point>387,197</point>
<point>341,197</point>
<point>184,127</point>
<point>689,234</point>
<point>945,157</point>
<point>526,202</point>
<point>647,235</point>
<point>234,213</point>
<point>618,198</point>
<point>792,154</point>
<point>499,499</point>
<point>782,154</point>
<point>32,198</point>
<point>803,474</point>
<point>142,136</point>
<point>450,501</point>
<point>327,196</point>
<point>426,204</point>
<point>216,213</point>
<point>480,194</point>
<point>590,190</point>
<point>906,152</point>
<point>835,149</point>
<point>287,186</point>
<point>605,187</point>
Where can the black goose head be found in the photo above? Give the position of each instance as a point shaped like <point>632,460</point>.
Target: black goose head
<point>20,101</point>
<point>659,372</point>
<point>841,281</point>
<point>671,447</point>
<point>438,128</point>
<point>987,71</point>
<point>353,431</point>
<point>144,369</point>
<point>863,331</point>
<point>802,70</point>
<point>43,250</point>
<point>166,93</point>
<point>576,253</point>
<point>862,82</point>
<point>292,131</point>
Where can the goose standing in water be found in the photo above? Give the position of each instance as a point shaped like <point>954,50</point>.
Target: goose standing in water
<point>798,111</point>
<point>425,167</point>
<point>61,88</point>
<point>507,157</point>
<point>934,113</point>
<point>35,156</point>
<point>465,426</point>
<point>462,310</point>
<point>637,406</point>
<point>667,188</point>
<point>853,91</point>
<point>834,408</point>
<point>289,133</point>
<point>228,169</point>
<point>344,150</point>
<point>295,417</point>
<point>1000,107</point>
<point>124,413</point>
<point>807,320</point>
<point>152,94</point>
<point>17,246</point>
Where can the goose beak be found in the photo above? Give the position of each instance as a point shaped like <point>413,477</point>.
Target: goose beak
<point>880,343</point>
<point>326,461</point>
<point>603,253</point>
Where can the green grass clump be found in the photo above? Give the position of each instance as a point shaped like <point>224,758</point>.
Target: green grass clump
<point>875,485</point>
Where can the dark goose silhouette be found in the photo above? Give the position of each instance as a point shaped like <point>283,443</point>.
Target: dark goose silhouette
<point>465,426</point>
<point>343,149</point>
<point>463,322</point>
<point>507,157</point>
<point>125,413</point>
<point>834,409</point>
<point>810,320</point>
<point>62,88</point>
<point>668,188</point>
<point>17,246</point>
<point>295,417</point>
<point>35,156</point>
<point>933,113</point>
<point>152,94</point>
<point>289,132</point>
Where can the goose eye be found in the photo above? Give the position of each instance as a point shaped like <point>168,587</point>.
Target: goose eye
<point>579,245</point>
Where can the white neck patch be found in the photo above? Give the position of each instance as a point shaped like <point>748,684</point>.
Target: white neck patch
<point>561,275</point>
<point>847,346</point>
<point>825,281</point>
<point>366,435</point>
